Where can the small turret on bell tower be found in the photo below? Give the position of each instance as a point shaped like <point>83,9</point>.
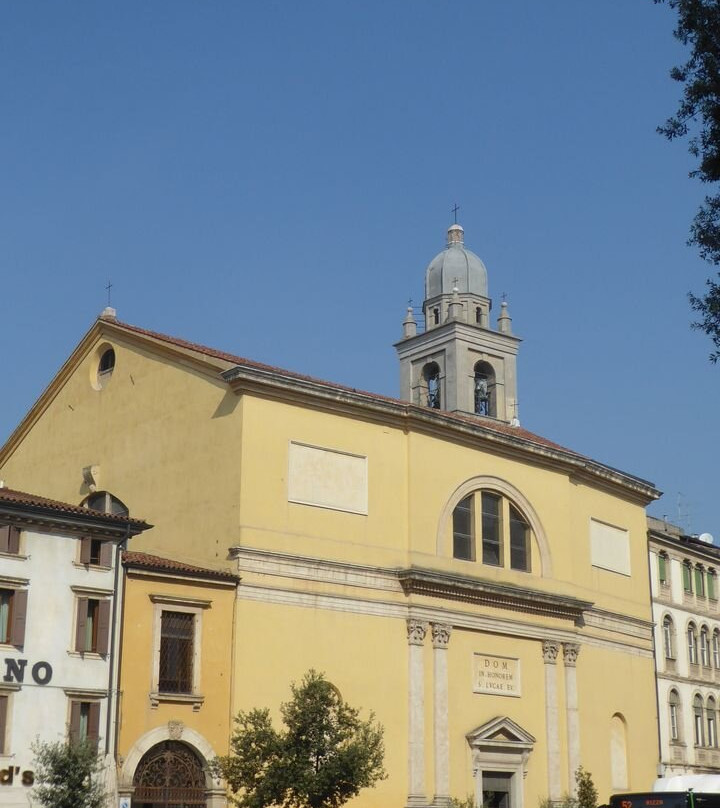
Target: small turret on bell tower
<point>459,363</point>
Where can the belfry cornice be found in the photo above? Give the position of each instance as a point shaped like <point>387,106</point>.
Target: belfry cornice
<point>418,581</point>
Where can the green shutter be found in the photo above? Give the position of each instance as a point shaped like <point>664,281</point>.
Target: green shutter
<point>662,569</point>
<point>711,585</point>
<point>687,580</point>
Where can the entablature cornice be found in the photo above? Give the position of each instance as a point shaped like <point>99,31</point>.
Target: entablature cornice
<point>489,593</point>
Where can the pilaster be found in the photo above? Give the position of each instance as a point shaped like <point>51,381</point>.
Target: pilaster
<point>550,651</point>
<point>416,631</point>
<point>570,655</point>
<point>441,638</point>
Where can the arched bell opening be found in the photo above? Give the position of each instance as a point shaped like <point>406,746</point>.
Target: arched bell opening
<point>485,398</point>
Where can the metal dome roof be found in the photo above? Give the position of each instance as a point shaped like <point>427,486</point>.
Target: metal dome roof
<point>455,266</point>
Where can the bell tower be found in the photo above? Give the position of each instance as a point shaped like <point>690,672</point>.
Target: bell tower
<point>458,362</point>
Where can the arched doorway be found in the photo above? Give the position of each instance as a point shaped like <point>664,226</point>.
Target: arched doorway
<point>170,775</point>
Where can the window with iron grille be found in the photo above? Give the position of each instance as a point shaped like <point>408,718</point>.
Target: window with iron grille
<point>177,635</point>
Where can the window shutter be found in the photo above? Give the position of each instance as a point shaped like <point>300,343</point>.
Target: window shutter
<point>711,585</point>
<point>4,538</point>
<point>81,625</point>
<point>687,580</point>
<point>19,611</point>
<point>662,572</point>
<point>14,540</point>
<point>74,721</point>
<point>85,549</point>
<point>94,722</point>
<point>103,632</point>
<point>106,554</point>
<point>4,700</point>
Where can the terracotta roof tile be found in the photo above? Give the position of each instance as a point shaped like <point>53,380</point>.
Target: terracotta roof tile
<point>131,558</point>
<point>10,495</point>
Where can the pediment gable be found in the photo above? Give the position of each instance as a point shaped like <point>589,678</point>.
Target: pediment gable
<point>500,731</point>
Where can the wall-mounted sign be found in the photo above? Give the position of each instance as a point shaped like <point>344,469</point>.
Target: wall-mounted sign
<point>124,802</point>
<point>14,774</point>
<point>497,676</point>
<point>41,672</point>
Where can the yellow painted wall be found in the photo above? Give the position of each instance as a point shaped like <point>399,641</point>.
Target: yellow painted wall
<point>138,717</point>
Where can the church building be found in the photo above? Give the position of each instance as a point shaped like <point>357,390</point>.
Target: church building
<point>481,589</point>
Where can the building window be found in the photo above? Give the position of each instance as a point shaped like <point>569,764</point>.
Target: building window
<point>505,533</point>
<point>84,721</point>
<point>674,707</point>
<point>687,577</point>
<point>177,642</point>
<point>105,502</point>
<point>705,647</point>
<point>92,627</point>
<point>96,552</point>
<point>668,637</point>
<point>105,368</point>
<point>9,539</point>
<point>716,649</point>
<point>13,608</point>
<point>698,721</point>
<point>699,581</point>
<point>663,563</point>
<point>692,644</point>
<point>710,720</point>
<point>711,585</point>
<point>177,635</point>
<point>463,545</point>
<point>491,529</point>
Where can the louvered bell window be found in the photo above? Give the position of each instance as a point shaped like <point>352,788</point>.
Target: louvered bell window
<point>176,652</point>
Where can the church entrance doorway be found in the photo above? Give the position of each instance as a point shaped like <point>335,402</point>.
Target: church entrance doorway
<point>170,775</point>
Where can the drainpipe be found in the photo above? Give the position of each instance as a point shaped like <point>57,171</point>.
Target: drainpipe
<point>116,630</point>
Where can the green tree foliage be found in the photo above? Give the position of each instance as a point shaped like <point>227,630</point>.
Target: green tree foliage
<point>324,755</point>
<point>698,117</point>
<point>68,775</point>
<point>587,796</point>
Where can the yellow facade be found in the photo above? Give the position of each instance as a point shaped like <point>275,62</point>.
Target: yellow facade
<point>336,509</point>
<point>148,719</point>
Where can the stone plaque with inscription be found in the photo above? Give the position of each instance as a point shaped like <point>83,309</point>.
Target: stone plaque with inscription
<point>499,676</point>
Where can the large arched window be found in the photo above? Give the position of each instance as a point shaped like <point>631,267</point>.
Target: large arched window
<point>484,386</point>
<point>698,727</point>
<point>498,527</point>
<point>705,647</point>
<point>692,644</point>
<point>711,721</point>
<point>431,377</point>
<point>668,634</point>
<point>674,715</point>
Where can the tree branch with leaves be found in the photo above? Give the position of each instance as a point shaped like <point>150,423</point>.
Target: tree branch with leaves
<point>324,755</point>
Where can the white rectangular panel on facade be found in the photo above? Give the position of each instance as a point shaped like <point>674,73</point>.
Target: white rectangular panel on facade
<point>498,676</point>
<point>609,547</point>
<point>327,478</point>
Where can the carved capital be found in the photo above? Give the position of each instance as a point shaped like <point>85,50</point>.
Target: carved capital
<point>416,631</point>
<point>550,651</point>
<point>570,653</point>
<point>441,635</point>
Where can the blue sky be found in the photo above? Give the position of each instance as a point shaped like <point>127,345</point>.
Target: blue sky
<point>272,178</point>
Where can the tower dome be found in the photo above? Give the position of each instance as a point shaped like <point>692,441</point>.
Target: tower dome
<point>455,267</point>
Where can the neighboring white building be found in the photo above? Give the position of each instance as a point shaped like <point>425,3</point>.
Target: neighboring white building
<point>58,649</point>
<point>686,613</point>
